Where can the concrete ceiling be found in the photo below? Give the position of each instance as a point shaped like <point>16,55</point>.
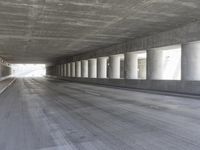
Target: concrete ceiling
<point>42,30</point>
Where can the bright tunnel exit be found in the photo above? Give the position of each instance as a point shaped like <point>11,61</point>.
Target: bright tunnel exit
<point>28,70</point>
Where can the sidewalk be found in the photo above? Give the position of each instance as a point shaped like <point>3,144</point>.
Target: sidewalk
<point>5,84</point>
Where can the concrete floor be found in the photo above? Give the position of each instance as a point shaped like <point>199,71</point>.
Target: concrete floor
<point>5,83</point>
<point>41,114</point>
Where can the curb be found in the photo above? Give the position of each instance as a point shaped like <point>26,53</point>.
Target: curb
<point>11,82</point>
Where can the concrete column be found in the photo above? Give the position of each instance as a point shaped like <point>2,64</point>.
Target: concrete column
<point>92,68</point>
<point>131,65</point>
<point>58,70</point>
<point>69,70</point>
<point>53,71</point>
<point>154,64</point>
<point>191,61</point>
<point>78,69</point>
<point>84,68</point>
<point>114,67</point>
<point>102,67</point>
<point>73,69</point>
<point>61,69</point>
<point>65,70</point>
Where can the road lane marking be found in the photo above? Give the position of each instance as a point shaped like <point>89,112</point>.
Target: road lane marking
<point>92,93</point>
<point>3,90</point>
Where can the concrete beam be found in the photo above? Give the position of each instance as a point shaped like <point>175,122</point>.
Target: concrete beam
<point>180,35</point>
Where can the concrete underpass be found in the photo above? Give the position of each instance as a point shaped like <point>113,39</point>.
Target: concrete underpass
<point>46,114</point>
<point>99,75</point>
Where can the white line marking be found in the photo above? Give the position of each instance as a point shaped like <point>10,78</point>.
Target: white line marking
<point>7,86</point>
<point>92,93</point>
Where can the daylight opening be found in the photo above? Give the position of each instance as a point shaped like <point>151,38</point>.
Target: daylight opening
<point>28,70</point>
<point>165,63</point>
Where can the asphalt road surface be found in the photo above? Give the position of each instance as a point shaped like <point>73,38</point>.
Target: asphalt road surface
<point>44,114</point>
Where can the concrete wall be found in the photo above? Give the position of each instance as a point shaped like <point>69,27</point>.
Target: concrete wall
<point>182,35</point>
<point>5,69</point>
<point>51,70</point>
<point>182,87</point>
